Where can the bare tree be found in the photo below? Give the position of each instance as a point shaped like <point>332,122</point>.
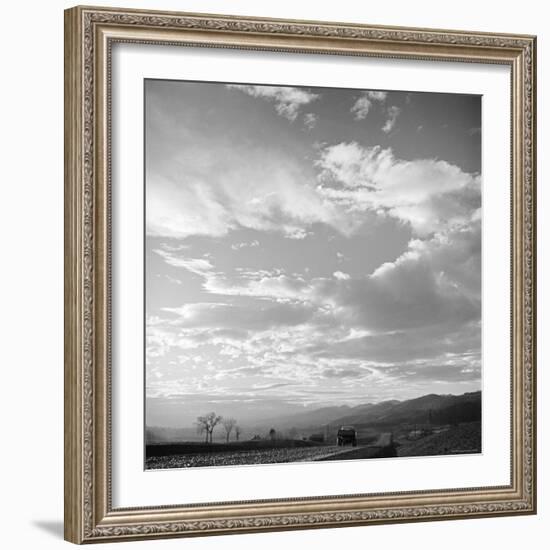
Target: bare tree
<point>237,432</point>
<point>228,424</point>
<point>202,427</point>
<point>207,423</point>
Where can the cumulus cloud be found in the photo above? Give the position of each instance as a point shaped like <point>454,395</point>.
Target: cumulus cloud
<point>453,257</point>
<point>407,295</point>
<point>364,102</point>
<point>427,194</point>
<point>287,100</point>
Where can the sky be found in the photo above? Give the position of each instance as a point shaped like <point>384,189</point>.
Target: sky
<point>308,247</point>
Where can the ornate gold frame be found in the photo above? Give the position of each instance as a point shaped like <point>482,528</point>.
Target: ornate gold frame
<point>89,35</point>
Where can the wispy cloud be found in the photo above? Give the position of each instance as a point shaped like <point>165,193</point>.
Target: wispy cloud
<point>250,244</point>
<point>310,120</point>
<point>172,280</point>
<point>199,266</point>
<point>393,113</point>
<point>268,192</point>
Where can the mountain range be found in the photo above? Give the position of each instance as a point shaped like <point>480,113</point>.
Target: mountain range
<point>432,408</point>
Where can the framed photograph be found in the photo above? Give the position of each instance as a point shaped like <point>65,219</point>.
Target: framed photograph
<point>300,274</point>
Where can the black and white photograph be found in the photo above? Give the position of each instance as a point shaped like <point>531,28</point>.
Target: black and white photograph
<point>312,274</point>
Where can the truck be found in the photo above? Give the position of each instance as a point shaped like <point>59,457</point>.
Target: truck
<point>346,435</point>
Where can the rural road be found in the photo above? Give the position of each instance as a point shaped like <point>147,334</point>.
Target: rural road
<point>382,447</point>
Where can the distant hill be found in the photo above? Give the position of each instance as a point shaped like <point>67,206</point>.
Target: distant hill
<point>437,409</point>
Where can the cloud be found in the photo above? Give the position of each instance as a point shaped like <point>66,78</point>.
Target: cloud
<point>427,194</point>
<point>423,303</point>
<point>275,286</point>
<point>400,322</point>
<point>310,356</point>
<point>346,372</point>
<point>453,257</point>
<point>417,346</point>
<point>239,246</point>
<point>406,295</point>
<point>435,282</point>
<point>310,120</point>
<point>456,372</point>
<point>173,280</point>
<point>363,104</point>
<point>287,100</point>
<point>280,288</point>
<point>217,315</point>
<point>228,188</point>
<point>199,266</point>
<point>225,189</point>
<point>393,113</point>
<point>177,209</point>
